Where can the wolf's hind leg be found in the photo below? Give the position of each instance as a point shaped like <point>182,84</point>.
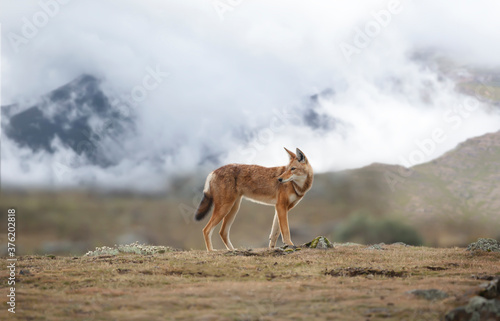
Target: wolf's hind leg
<point>227,222</point>
<point>220,211</point>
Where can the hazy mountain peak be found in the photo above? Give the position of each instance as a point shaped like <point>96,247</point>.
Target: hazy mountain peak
<point>75,114</point>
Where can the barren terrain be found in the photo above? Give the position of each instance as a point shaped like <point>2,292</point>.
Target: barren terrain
<point>351,282</point>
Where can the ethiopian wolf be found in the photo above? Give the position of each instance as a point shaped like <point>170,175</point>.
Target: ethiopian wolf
<point>282,187</point>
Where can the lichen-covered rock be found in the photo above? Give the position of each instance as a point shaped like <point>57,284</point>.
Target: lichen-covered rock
<point>133,248</point>
<point>286,249</point>
<point>486,306</point>
<point>319,242</point>
<point>379,247</point>
<point>490,290</point>
<point>487,245</point>
<point>478,309</point>
<point>430,294</point>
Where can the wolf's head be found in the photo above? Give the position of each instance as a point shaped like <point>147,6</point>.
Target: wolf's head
<point>297,170</point>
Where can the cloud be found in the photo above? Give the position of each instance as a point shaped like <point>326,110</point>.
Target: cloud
<point>238,88</point>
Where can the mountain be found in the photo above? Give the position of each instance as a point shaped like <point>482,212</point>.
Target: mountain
<point>78,115</point>
<point>458,191</point>
<point>81,116</point>
<point>468,178</point>
<point>450,200</point>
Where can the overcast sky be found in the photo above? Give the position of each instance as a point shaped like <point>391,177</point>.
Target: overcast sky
<point>240,74</point>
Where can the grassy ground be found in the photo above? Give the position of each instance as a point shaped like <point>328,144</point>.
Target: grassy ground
<point>344,283</point>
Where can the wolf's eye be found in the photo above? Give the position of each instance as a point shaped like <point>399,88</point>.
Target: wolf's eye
<point>292,169</point>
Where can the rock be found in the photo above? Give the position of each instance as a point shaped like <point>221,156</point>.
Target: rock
<point>378,312</point>
<point>319,242</point>
<point>25,272</point>
<point>483,307</point>
<point>132,248</point>
<point>289,248</point>
<point>478,308</point>
<point>430,294</point>
<point>346,244</point>
<point>323,243</point>
<point>490,290</point>
<point>487,245</point>
<point>379,247</point>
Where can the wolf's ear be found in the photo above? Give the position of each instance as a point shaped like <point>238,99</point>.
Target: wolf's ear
<point>300,156</point>
<point>292,155</point>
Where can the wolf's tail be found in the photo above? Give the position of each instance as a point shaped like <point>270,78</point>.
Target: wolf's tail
<point>207,200</point>
<point>204,207</point>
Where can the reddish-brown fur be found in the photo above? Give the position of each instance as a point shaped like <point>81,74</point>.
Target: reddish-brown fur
<point>282,186</point>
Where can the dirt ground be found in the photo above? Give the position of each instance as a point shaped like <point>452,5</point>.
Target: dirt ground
<point>343,283</point>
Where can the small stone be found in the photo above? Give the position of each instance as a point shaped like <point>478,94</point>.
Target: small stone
<point>376,247</point>
<point>25,272</point>
<point>430,294</point>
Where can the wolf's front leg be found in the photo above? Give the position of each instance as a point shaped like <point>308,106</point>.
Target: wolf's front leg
<point>282,213</point>
<point>275,231</point>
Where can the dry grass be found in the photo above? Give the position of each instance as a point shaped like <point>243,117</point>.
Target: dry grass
<point>248,285</point>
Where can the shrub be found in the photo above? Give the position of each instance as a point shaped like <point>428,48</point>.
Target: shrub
<point>487,245</point>
<point>364,229</point>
